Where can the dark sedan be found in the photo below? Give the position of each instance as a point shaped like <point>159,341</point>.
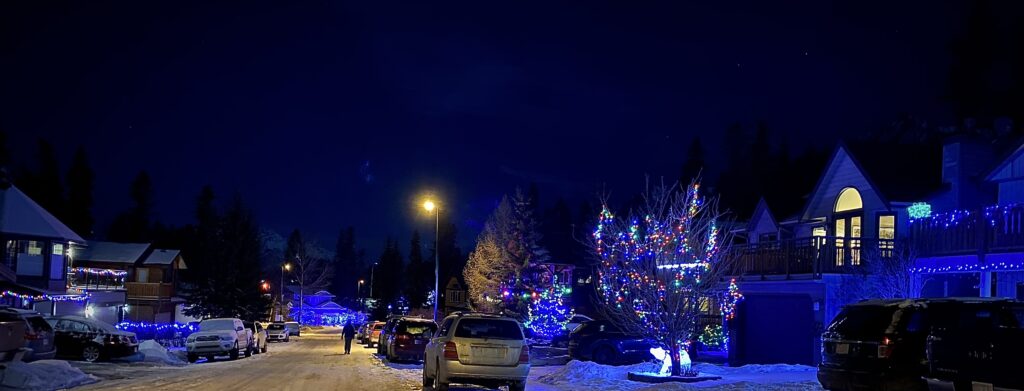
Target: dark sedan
<point>603,343</point>
<point>91,340</point>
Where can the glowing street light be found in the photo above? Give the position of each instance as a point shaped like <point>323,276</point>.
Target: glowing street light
<point>431,207</point>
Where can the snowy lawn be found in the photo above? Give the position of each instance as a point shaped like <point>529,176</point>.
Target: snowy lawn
<point>587,375</point>
<point>42,375</point>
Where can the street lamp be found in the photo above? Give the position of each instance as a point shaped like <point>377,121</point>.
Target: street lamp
<point>359,287</point>
<point>431,207</point>
<point>280,305</point>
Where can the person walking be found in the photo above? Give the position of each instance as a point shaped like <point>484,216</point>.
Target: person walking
<point>348,333</point>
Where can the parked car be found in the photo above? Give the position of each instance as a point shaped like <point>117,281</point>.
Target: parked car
<point>218,337</point>
<point>409,339</point>
<point>278,332</point>
<point>603,343</point>
<point>259,336</point>
<point>976,345</point>
<point>389,327</point>
<point>576,321</point>
<point>38,333</point>
<point>12,338</point>
<point>90,339</point>
<point>293,328</point>
<point>361,332</point>
<point>481,349</point>
<point>375,330</point>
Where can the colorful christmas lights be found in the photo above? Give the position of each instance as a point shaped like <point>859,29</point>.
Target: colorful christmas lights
<point>547,313</point>
<point>55,298</point>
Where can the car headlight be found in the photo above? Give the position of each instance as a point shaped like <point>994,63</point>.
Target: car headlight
<point>226,338</point>
<point>190,339</point>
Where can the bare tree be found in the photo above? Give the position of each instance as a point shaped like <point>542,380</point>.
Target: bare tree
<point>662,264</point>
<point>314,273</point>
<point>889,274</point>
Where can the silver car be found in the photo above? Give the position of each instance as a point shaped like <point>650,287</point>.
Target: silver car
<point>482,349</point>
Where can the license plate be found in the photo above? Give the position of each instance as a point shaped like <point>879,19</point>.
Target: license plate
<point>842,348</point>
<point>418,342</point>
<point>492,352</point>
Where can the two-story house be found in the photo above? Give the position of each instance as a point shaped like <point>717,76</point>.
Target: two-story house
<point>797,271</point>
<point>36,253</point>
<point>974,245</point>
<point>135,281</point>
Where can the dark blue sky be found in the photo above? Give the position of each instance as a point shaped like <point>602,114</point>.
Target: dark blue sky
<point>326,114</point>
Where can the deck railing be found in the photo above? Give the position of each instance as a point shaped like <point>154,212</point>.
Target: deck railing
<point>809,256</point>
<point>150,290</point>
<point>995,229</point>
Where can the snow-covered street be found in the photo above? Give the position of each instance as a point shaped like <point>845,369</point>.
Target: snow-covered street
<point>315,362</point>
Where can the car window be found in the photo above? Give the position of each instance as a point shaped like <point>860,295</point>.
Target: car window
<point>488,328</point>
<point>79,327</point>
<point>275,327</point>
<point>863,322</point>
<point>417,328</point>
<point>445,327</point>
<point>39,324</point>
<point>217,324</point>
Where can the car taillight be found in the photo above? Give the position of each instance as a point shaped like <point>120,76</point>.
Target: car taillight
<point>400,338</point>
<point>524,355</point>
<point>33,336</point>
<point>885,348</point>
<point>450,351</point>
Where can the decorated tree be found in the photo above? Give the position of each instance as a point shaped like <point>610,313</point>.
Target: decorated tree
<point>662,264</point>
<point>548,314</point>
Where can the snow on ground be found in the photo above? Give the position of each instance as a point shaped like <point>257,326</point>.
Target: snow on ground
<point>155,354</point>
<point>42,375</point>
<point>586,375</point>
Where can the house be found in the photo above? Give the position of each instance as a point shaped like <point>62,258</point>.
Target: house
<point>138,282</point>
<point>797,271</point>
<point>974,246</point>
<point>318,308</point>
<point>36,253</point>
<point>455,297</point>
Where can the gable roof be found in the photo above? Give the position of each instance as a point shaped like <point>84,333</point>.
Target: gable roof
<point>20,215</point>
<point>161,257</point>
<point>762,208</point>
<point>127,253</point>
<point>1004,170</point>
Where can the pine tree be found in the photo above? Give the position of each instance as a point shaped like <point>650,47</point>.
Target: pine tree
<point>419,273</point>
<point>694,161</point>
<point>44,186</point>
<point>347,268</point>
<point>80,194</point>
<point>136,225</point>
<point>388,276</point>
<point>487,275</point>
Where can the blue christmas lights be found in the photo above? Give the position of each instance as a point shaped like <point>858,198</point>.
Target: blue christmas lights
<point>547,313</point>
<point>974,267</point>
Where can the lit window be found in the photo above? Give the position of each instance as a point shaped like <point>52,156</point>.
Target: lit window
<point>849,199</point>
<point>58,249</point>
<point>887,227</point>
<point>35,248</point>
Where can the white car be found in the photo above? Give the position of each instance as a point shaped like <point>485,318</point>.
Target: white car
<point>277,332</point>
<point>218,337</point>
<point>481,349</point>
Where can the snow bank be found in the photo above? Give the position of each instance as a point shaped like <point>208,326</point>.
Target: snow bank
<point>752,369</point>
<point>155,353</point>
<point>43,375</point>
<point>590,373</point>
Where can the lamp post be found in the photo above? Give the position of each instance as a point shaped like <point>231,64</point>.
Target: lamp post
<point>431,207</point>
<point>372,279</point>
<point>359,287</point>
<point>280,305</point>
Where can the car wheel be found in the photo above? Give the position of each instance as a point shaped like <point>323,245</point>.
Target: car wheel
<point>258,350</point>
<point>517,386</point>
<point>193,358</point>
<point>91,353</point>
<point>249,350</point>
<point>264,349</point>
<point>427,381</point>
<point>234,352</point>
<point>604,355</point>
<point>438,385</point>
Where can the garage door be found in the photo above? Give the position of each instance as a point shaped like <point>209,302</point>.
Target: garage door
<point>774,328</point>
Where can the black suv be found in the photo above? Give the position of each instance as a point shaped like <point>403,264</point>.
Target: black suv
<point>979,341</point>
<point>881,344</point>
<point>603,343</point>
<point>389,327</point>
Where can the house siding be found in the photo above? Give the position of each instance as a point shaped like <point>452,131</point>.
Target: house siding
<point>843,173</point>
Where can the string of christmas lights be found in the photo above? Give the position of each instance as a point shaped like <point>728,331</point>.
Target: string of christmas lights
<point>547,314</point>
<point>101,272</point>
<point>55,298</point>
<point>974,267</point>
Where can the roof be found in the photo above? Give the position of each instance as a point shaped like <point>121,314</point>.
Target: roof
<point>20,215</point>
<point>112,252</point>
<point>1005,162</point>
<point>161,257</point>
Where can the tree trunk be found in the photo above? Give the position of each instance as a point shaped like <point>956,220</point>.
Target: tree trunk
<point>677,368</point>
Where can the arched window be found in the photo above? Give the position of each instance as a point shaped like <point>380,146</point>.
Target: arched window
<point>849,200</point>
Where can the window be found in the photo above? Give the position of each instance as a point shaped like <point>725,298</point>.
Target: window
<point>142,274</point>
<point>488,328</point>
<point>772,237</point>
<point>58,249</point>
<point>57,271</point>
<point>887,227</point>
<point>849,200</point>
<point>818,231</point>
<point>444,327</point>
<point>30,258</point>
<point>35,248</point>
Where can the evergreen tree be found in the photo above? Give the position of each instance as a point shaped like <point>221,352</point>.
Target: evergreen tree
<point>347,268</point>
<point>388,278</point>
<point>45,185</point>
<point>80,194</point>
<point>419,273</point>
<point>5,154</point>
<point>135,225</point>
<point>296,247</point>
<point>694,163</point>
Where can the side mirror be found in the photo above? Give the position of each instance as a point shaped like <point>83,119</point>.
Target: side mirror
<point>240,328</point>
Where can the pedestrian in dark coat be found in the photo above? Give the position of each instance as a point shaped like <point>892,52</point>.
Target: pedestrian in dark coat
<point>348,332</point>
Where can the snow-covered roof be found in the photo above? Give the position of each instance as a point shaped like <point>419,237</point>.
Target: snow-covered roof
<point>112,252</point>
<point>329,305</point>
<point>161,257</point>
<point>20,215</point>
<point>322,293</point>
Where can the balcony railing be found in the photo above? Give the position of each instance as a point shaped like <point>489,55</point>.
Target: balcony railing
<point>810,256</point>
<point>996,229</point>
<point>97,279</point>
<point>149,290</point>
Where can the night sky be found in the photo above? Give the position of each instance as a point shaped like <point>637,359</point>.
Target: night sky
<point>327,114</point>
